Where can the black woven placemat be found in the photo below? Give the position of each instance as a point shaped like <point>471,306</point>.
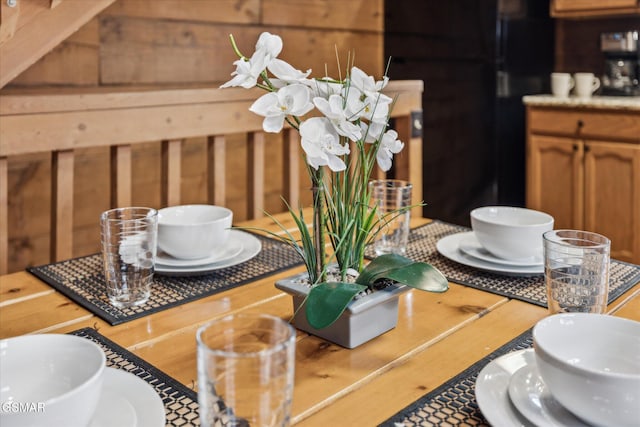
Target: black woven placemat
<point>422,247</point>
<point>180,402</point>
<point>82,280</point>
<point>454,402</point>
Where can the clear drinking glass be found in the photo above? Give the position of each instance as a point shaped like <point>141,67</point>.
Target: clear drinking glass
<point>129,237</point>
<point>245,371</point>
<point>576,269</point>
<point>393,199</point>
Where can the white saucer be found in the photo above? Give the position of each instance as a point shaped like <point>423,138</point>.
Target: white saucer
<point>251,247</point>
<point>449,246</point>
<point>530,395</point>
<point>470,245</point>
<point>231,249</point>
<point>492,389</point>
<point>127,401</point>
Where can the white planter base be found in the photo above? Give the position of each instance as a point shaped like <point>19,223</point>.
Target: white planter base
<point>362,320</point>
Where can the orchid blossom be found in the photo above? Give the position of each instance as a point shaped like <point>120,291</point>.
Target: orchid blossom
<point>335,112</point>
<point>321,144</point>
<point>286,74</point>
<point>389,145</point>
<point>291,100</point>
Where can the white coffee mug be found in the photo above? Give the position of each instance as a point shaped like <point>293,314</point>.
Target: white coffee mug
<point>561,84</point>
<point>586,84</point>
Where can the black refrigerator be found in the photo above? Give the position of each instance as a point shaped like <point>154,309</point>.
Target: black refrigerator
<point>477,59</point>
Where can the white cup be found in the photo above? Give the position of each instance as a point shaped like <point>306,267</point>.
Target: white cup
<point>586,84</point>
<point>561,84</point>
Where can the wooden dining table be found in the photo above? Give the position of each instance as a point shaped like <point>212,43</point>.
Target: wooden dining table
<point>438,335</point>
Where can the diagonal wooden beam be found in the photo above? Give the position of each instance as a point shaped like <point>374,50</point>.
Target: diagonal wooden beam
<point>41,34</point>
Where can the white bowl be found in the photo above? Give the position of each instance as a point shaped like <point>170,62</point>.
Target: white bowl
<point>193,231</point>
<point>591,364</point>
<point>510,232</point>
<point>49,379</point>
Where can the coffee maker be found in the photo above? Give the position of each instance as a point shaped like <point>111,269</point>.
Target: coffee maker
<point>622,63</point>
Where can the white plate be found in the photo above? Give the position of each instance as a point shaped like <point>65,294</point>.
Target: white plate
<point>449,247</point>
<point>530,395</point>
<point>231,249</point>
<point>127,401</point>
<point>251,247</point>
<point>492,389</point>
<point>470,245</point>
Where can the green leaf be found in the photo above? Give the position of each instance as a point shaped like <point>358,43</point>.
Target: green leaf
<point>420,275</point>
<point>377,268</point>
<point>417,275</point>
<point>327,301</point>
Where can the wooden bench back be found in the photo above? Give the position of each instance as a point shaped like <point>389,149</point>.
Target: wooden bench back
<point>60,123</point>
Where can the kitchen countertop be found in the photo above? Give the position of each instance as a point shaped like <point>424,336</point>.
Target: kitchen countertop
<point>600,102</point>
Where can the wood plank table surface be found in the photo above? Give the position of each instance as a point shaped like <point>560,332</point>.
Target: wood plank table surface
<point>437,336</point>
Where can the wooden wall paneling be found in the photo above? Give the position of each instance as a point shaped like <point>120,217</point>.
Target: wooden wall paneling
<point>216,170</point>
<point>147,174</point>
<point>306,48</point>
<point>193,187</point>
<point>29,219</point>
<point>171,172</point>
<point>31,42</point>
<point>256,174</point>
<point>221,11</point>
<point>92,196</point>
<point>291,168</point>
<point>354,15</point>
<point>135,51</point>
<point>4,215</point>
<point>8,20</point>
<point>62,170</point>
<point>120,176</point>
<point>73,62</point>
<point>67,64</point>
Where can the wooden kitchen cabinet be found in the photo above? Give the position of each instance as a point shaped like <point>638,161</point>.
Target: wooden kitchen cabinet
<point>583,168</point>
<point>594,8</point>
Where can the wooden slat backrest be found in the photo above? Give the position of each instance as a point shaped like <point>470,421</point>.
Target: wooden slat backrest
<point>59,123</point>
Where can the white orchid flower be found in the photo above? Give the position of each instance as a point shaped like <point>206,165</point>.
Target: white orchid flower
<point>270,45</point>
<point>286,74</point>
<point>366,83</point>
<point>324,87</point>
<point>372,131</point>
<point>247,71</point>
<point>292,100</point>
<point>389,145</point>
<point>374,107</point>
<point>333,109</point>
<point>321,143</point>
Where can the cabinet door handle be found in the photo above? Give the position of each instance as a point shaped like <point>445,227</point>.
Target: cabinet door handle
<point>580,124</point>
<point>575,147</point>
<point>586,148</point>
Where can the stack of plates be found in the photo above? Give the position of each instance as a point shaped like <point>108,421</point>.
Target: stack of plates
<point>464,248</point>
<point>510,392</point>
<point>240,248</point>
